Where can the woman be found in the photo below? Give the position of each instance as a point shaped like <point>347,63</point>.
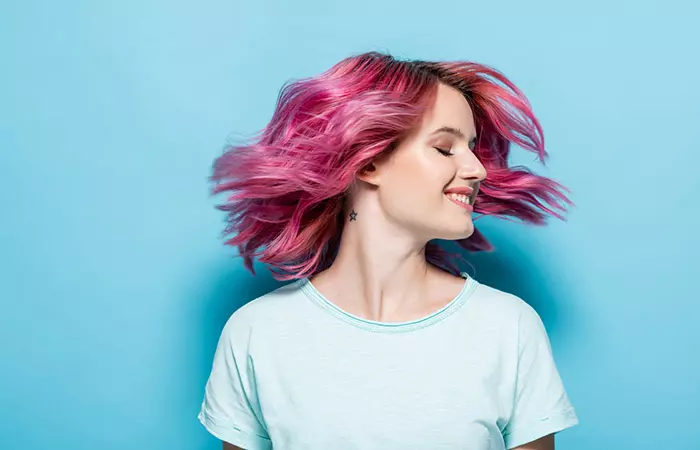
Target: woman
<point>381,342</point>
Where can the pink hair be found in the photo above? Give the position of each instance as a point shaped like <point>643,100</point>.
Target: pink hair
<point>288,186</point>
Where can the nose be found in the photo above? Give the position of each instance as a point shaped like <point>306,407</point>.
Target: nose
<point>471,168</point>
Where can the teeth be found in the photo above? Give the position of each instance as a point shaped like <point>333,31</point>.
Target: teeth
<point>460,198</point>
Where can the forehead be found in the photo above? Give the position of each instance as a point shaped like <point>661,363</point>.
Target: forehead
<point>449,109</point>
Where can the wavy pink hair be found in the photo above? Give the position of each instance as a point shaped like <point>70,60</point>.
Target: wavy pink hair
<point>288,185</point>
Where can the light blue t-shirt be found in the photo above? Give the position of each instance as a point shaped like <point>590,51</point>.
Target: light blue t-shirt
<point>292,371</point>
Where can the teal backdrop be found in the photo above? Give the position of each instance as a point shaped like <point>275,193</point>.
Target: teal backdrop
<point>114,283</point>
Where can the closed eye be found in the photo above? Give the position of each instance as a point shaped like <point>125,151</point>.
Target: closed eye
<point>443,152</point>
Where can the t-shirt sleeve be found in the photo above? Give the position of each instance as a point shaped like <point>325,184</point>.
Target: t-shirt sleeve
<point>541,405</point>
<point>230,409</point>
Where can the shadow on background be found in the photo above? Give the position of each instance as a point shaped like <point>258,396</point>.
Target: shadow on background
<point>514,267</point>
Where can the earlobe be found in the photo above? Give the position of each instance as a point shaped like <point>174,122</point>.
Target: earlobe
<point>369,174</point>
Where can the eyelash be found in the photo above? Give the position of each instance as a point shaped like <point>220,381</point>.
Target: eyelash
<point>443,152</point>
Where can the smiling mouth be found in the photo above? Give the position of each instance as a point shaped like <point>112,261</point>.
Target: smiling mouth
<point>464,200</point>
<point>460,198</point>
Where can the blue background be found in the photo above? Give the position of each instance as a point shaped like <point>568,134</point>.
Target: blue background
<point>114,283</point>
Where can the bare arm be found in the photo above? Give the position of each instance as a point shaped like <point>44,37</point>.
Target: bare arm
<point>543,443</point>
<point>228,446</point>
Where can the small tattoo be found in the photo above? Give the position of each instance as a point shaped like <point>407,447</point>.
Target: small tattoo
<point>353,215</point>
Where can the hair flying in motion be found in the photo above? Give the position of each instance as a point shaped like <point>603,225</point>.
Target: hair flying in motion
<point>287,186</point>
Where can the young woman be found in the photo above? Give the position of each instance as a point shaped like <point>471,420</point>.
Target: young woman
<point>381,342</point>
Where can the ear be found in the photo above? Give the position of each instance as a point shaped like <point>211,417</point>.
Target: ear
<point>369,174</point>
<point>379,165</point>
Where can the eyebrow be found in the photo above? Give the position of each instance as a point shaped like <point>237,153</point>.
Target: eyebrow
<point>453,131</point>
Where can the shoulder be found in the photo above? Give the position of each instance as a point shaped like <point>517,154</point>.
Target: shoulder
<point>500,304</point>
<point>516,320</point>
<point>271,309</point>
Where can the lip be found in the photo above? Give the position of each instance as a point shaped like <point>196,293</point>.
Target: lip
<point>465,206</point>
<point>461,190</point>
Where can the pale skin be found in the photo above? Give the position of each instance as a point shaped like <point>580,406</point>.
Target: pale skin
<point>398,205</point>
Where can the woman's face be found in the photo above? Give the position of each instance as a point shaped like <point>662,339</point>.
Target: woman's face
<point>429,182</point>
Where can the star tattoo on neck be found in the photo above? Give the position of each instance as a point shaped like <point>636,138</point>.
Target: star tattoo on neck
<point>353,215</point>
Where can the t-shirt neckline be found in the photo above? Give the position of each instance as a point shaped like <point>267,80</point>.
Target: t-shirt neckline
<point>390,327</point>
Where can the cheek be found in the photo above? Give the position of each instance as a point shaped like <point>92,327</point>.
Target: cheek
<point>426,169</point>
<point>413,179</point>
<point>417,184</point>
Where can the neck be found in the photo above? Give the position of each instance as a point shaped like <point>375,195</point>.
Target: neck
<point>380,272</point>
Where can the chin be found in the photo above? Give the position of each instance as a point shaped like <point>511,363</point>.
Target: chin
<point>466,234</point>
<point>457,234</point>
